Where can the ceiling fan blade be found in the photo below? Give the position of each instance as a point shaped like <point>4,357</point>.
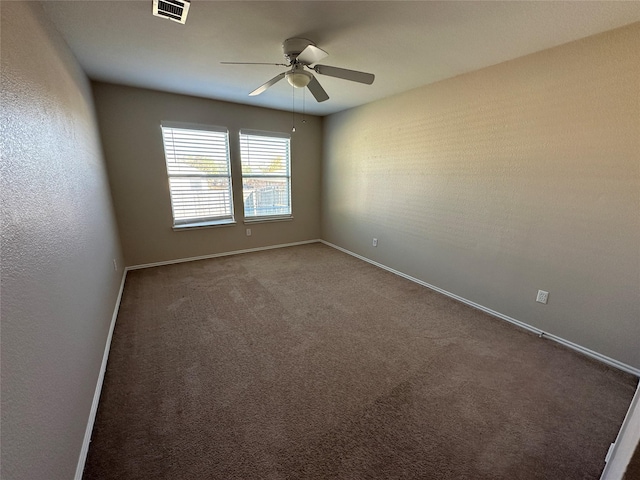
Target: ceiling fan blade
<point>345,74</point>
<point>254,63</point>
<point>311,54</point>
<point>264,86</point>
<point>317,91</point>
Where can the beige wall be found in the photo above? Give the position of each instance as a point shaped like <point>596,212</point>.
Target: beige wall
<point>59,287</point>
<point>497,183</point>
<point>130,120</point>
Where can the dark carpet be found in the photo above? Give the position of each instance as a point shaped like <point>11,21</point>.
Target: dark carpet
<point>306,363</point>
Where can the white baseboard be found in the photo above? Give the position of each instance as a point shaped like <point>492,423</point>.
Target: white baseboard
<point>574,346</point>
<point>216,255</point>
<point>96,396</point>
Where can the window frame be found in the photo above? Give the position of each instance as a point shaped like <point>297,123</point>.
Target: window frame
<point>204,221</point>
<point>245,132</point>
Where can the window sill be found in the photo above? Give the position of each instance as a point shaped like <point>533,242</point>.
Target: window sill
<point>197,225</point>
<point>281,218</point>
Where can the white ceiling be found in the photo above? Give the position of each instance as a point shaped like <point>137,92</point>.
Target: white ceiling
<point>406,44</point>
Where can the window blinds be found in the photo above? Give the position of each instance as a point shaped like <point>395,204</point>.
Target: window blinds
<point>199,173</point>
<point>266,174</point>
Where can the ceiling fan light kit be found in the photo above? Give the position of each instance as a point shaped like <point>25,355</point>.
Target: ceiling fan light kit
<point>297,77</point>
<point>301,53</point>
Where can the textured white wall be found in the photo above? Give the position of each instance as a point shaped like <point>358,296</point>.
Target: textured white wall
<point>58,240</point>
<point>497,183</point>
<point>130,127</point>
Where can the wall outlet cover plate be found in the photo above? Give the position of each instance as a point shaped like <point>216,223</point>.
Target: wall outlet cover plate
<point>543,297</point>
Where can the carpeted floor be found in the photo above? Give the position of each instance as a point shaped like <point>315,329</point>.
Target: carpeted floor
<point>633,469</point>
<point>306,363</point>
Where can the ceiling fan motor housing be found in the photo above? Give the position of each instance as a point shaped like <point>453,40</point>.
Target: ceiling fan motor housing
<point>293,46</point>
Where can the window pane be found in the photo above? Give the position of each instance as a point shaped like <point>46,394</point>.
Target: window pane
<point>266,174</point>
<point>199,174</point>
<point>197,199</point>
<point>264,155</point>
<point>266,197</point>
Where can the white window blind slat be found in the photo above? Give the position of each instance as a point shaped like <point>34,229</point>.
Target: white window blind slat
<point>199,170</point>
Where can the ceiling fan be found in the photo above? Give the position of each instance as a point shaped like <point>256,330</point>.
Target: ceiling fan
<point>302,55</point>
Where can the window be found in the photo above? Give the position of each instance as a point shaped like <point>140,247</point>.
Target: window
<point>266,175</point>
<point>199,173</point>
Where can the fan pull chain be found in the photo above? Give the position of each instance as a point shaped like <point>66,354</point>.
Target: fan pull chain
<point>293,109</point>
<point>304,96</point>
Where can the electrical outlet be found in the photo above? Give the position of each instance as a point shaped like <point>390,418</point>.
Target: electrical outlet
<point>248,232</point>
<point>543,297</point>
<point>375,242</point>
<point>115,265</point>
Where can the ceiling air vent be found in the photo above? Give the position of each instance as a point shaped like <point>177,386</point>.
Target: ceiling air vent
<point>175,10</point>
